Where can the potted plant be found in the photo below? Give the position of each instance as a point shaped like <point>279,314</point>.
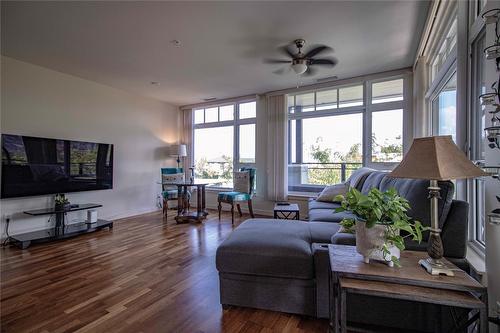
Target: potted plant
<point>380,218</point>
<point>61,202</point>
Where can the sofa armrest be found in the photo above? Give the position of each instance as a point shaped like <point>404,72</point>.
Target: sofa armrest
<point>343,238</point>
<point>322,274</point>
<point>454,231</point>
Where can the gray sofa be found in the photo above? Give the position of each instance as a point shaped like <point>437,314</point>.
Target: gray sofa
<point>283,265</point>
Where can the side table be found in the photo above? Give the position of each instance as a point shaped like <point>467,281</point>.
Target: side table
<point>350,275</point>
<point>287,212</point>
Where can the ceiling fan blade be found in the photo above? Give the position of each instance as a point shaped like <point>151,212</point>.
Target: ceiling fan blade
<point>317,50</point>
<point>328,62</point>
<point>277,61</point>
<point>309,72</point>
<point>286,51</point>
<point>282,71</point>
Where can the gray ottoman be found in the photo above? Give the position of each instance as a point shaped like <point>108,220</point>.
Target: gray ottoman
<point>268,264</point>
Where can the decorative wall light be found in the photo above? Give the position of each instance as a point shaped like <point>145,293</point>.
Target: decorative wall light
<point>493,136</point>
<point>491,16</point>
<point>488,98</point>
<point>492,171</point>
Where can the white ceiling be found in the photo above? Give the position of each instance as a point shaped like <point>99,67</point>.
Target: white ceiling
<point>127,44</point>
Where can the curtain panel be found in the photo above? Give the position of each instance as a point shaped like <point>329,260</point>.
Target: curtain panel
<point>277,153</point>
<point>187,139</point>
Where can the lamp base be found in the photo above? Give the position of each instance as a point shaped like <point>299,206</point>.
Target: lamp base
<point>435,267</point>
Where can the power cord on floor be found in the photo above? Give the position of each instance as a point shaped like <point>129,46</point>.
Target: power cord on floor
<point>7,239</point>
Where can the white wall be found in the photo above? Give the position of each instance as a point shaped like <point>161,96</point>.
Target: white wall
<point>40,102</point>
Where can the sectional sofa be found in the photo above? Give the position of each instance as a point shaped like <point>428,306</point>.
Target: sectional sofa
<point>283,266</point>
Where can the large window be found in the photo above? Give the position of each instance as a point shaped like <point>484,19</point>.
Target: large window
<point>224,140</point>
<point>444,109</point>
<point>328,132</point>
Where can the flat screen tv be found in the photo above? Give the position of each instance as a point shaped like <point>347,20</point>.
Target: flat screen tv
<point>36,166</point>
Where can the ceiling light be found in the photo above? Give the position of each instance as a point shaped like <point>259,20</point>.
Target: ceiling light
<point>209,99</point>
<point>299,68</point>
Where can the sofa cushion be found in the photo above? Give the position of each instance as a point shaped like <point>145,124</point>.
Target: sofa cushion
<point>314,204</point>
<point>358,177</point>
<point>328,215</point>
<point>322,232</point>
<point>268,247</point>
<point>373,180</point>
<point>416,192</point>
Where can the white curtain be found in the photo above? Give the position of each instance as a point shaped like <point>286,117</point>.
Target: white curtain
<point>187,139</point>
<point>277,149</point>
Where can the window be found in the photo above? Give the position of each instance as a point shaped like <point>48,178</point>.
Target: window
<point>224,140</point>
<point>445,50</point>
<point>327,132</point>
<point>387,136</point>
<point>388,91</point>
<point>444,109</point>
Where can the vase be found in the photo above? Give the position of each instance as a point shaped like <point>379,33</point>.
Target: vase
<point>369,243</point>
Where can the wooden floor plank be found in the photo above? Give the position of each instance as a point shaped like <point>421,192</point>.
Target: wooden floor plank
<point>148,274</point>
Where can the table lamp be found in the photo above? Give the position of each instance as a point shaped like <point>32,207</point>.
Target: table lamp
<point>435,158</point>
<point>179,151</point>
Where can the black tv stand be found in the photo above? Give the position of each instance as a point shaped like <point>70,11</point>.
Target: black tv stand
<point>61,230</point>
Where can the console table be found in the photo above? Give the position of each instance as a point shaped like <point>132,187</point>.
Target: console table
<point>350,275</point>
<point>61,230</point>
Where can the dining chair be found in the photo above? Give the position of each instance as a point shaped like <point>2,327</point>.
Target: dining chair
<point>244,189</point>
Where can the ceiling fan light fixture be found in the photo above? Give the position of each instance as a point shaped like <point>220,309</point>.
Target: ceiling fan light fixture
<point>299,68</point>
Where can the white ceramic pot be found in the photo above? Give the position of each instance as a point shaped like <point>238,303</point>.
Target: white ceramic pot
<point>369,243</point>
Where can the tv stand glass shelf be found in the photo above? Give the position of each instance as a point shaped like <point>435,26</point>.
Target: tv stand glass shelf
<point>61,230</point>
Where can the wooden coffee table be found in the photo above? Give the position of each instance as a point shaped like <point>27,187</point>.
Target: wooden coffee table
<point>350,275</point>
<point>287,212</point>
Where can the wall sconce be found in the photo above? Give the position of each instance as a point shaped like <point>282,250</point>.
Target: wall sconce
<point>494,218</point>
<point>487,99</point>
<point>493,136</point>
<point>491,16</point>
<point>492,171</point>
<point>492,52</point>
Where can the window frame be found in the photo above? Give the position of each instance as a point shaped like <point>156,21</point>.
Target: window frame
<point>236,123</point>
<point>367,109</point>
<point>477,30</point>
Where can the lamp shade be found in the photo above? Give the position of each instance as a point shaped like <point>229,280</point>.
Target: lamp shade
<point>436,158</point>
<point>177,150</point>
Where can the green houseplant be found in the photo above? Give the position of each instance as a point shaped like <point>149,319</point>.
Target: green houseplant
<point>61,202</point>
<point>380,218</point>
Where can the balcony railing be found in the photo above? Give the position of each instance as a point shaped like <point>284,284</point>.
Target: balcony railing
<point>313,177</point>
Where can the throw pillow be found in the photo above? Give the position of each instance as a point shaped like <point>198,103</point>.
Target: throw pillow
<point>241,181</point>
<point>172,178</point>
<point>330,192</point>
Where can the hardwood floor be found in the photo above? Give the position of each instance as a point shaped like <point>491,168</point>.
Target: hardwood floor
<point>146,275</point>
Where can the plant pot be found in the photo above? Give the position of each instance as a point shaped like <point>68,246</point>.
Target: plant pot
<point>62,207</point>
<point>369,243</point>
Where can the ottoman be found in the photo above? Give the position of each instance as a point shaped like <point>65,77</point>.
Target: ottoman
<point>269,264</point>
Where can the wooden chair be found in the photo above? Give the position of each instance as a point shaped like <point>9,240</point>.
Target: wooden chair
<point>243,191</point>
<point>169,192</point>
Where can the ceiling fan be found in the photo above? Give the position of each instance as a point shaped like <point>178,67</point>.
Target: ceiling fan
<point>300,62</point>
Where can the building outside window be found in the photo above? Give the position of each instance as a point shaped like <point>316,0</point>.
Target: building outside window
<point>328,132</point>
<point>224,140</point>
